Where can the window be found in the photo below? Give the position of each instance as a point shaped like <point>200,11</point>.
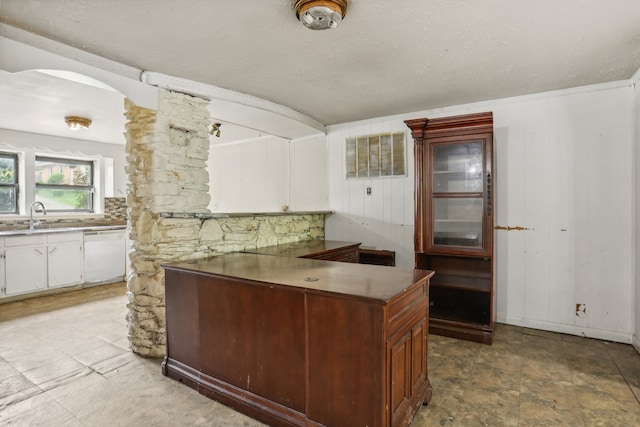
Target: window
<point>64,185</point>
<point>376,155</point>
<point>8,183</point>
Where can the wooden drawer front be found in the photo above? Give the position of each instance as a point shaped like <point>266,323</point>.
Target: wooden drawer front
<point>347,255</point>
<point>407,305</point>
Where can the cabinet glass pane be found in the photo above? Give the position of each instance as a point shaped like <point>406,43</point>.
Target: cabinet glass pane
<point>458,221</point>
<point>457,168</point>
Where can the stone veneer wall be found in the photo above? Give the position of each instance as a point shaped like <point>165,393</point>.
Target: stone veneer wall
<point>168,197</point>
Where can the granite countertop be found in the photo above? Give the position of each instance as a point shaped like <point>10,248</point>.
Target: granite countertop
<point>62,228</point>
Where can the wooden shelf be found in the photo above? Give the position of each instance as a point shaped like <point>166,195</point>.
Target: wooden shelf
<point>478,284</point>
<point>467,318</point>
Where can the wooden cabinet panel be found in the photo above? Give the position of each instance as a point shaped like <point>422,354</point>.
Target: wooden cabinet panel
<point>251,338</point>
<point>347,379</point>
<point>400,366</point>
<point>183,319</point>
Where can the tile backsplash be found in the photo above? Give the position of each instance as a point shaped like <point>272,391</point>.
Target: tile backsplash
<point>115,208</point>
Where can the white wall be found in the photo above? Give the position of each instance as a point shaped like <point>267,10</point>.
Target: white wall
<point>267,174</point>
<point>564,170</point>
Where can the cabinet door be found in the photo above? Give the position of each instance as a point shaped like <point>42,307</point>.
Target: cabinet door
<point>458,204</point>
<point>407,355</point>
<point>26,269</point>
<point>399,353</point>
<point>2,269</point>
<point>65,264</point>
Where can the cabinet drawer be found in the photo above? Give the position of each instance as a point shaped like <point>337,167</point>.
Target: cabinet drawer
<point>406,306</point>
<point>65,237</point>
<point>346,255</point>
<point>24,241</point>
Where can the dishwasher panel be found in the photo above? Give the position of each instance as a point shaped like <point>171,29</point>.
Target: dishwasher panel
<point>104,257</point>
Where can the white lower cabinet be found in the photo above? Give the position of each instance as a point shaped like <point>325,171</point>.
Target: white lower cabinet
<point>25,264</point>
<point>35,263</point>
<point>2,272</point>
<point>65,259</point>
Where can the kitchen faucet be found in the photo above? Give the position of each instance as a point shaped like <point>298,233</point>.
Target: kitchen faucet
<point>34,223</point>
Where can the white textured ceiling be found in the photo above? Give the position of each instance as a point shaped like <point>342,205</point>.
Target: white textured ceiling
<point>387,57</point>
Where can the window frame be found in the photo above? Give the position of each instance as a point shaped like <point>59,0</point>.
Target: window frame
<point>90,187</point>
<point>16,183</point>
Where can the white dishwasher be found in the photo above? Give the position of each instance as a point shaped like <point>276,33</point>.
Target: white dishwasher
<point>104,256</point>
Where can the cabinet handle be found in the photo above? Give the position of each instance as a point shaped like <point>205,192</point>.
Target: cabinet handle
<point>39,251</point>
<point>489,198</point>
<point>53,250</point>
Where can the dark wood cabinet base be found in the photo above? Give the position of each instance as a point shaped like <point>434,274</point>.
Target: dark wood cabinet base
<point>251,404</point>
<point>300,342</point>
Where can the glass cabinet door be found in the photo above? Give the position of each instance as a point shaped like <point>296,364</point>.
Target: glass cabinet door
<point>457,203</point>
<point>458,222</point>
<point>457,168</point>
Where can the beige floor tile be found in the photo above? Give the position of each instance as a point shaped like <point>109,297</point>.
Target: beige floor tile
<point>67,356</point>
<point>55,369</point>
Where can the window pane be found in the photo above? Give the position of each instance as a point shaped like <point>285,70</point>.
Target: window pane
<point>8,183</point>
<point>7,170</point>
<point>374,156</point>
<point>398,153</point>
<point>64,185</point>
<point>351,158</point>
<point>363,157</point>
<point>7,200</point>
<point>63,172</point>
<point>64,199</point>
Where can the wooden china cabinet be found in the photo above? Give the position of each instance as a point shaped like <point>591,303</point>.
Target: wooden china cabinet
<point>454,191</point>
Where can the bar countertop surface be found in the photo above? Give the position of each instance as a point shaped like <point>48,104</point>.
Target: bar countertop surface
<point>369,281</point>
<point>302,248</point>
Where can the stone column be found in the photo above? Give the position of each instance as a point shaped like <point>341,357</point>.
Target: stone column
<point>167,151</point>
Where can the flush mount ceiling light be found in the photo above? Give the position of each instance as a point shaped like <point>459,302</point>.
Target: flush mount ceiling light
<point>77,122</point>
<point>320,14</point>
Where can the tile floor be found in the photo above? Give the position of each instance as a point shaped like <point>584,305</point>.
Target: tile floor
<point>64,361</point>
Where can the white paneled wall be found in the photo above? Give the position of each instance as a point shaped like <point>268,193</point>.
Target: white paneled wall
<point>564,173</point>
<point>308,174</point>
<point>384,218</point>
<point>251,176</point>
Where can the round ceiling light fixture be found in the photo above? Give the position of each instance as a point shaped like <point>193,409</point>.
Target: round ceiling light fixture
<point>320,14</point>
<point>77,122</point>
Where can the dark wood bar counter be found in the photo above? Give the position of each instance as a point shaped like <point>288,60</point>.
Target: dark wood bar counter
<point>300,342</point>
